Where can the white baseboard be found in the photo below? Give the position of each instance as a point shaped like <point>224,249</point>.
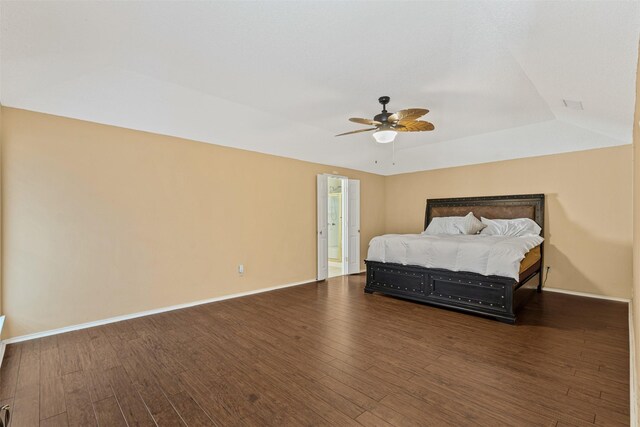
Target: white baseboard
<point>147,313</point>
<point>585,294</point>
<point>633,384</point>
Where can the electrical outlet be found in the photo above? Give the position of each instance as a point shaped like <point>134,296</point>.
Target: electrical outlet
<point>241,269</point>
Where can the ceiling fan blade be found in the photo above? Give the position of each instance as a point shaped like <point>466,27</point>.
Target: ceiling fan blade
<point>408,114</point>
<point>357,131</point>
<point>414,126</point>
<point>364,121</point>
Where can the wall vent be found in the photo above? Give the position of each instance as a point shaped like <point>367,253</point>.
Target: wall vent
<point>574,105</point>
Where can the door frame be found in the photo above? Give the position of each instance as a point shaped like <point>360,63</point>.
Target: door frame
<point>345,225</point>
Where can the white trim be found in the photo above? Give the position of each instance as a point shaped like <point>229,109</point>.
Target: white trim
<point>3,347</point>
<point>149,312</point>
<point>322,226</point>
<point>352,224</point>
<point>333,175</point>
<point>3,344</point>
<point>344,223</point>
<point>586,294</point>
<point>633,385</point>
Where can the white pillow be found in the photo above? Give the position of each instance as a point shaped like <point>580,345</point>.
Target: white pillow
<point>468,224</point>
<point>443,225</point>
<point>510,227</point>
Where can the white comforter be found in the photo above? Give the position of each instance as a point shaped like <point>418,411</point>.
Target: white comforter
<point>487,255</point>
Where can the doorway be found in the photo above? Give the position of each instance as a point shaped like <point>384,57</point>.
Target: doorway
<point>336,217</point>
<point>338,228</point>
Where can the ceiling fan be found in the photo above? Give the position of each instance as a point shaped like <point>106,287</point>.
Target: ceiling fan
<point>387,125</point>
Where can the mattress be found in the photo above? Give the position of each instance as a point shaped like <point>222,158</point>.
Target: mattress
<point>486,255</point>
<point>530,258</point>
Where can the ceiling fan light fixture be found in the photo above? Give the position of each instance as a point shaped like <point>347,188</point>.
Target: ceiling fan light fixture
<point>385,136</point>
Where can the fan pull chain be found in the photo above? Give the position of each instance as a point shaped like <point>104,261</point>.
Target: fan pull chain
<point>393,152</point>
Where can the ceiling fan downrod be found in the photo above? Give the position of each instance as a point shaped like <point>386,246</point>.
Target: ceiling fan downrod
<point>384,100</point>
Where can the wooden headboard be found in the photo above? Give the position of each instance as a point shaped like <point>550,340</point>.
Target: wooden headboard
<point>492,207</point>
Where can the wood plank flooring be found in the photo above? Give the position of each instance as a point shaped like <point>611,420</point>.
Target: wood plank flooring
<point>327,354</point>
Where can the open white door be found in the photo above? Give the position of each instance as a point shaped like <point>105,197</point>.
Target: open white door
<point>353,224</point>
<point>323,228</point>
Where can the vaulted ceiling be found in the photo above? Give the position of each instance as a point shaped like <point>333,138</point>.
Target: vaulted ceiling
<point>283,77</point>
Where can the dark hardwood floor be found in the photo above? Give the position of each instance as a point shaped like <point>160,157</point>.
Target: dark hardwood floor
<point>327,354</point>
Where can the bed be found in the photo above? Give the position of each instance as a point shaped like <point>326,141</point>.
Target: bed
<point>496,296</point>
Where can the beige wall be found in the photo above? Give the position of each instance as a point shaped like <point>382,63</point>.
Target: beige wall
<point>588,210</point>
<point>102,221</point>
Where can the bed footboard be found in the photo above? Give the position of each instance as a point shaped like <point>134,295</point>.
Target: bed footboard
<point>486,295</point>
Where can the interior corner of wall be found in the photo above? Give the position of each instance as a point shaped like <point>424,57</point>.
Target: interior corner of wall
<point>633,371</point>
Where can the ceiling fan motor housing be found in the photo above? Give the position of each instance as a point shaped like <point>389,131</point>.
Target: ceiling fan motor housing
<point>382,117</point>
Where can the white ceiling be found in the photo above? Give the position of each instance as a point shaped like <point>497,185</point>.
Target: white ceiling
<point>283,77</point>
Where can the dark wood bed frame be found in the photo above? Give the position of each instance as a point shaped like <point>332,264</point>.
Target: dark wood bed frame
<point>493,296</point>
